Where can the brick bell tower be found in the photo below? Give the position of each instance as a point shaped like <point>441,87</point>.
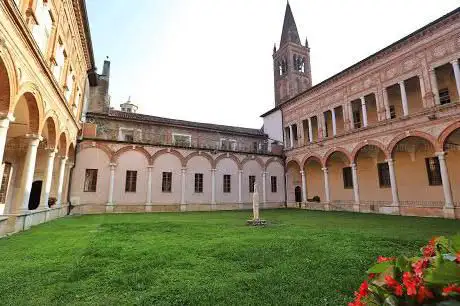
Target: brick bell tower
<point>291,62</point>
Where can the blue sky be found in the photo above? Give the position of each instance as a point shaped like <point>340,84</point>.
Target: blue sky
<point>210,60</point>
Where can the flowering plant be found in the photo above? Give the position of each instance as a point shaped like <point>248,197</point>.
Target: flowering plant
<point>430,279</point>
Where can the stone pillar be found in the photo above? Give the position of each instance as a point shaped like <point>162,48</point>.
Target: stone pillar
<point>60,185</point>
<point>183,174</point>
<point>457,75</point>
<point>334,122</point>
<point>213,188</point>
<point>240,182</point>
<point>326,185</point>
<point>28,172</point>
<point>310,130</point>
<point>69,166</point>
<point>386,103</point>
<point>354,175</point>
<point>291,137</point>
<point>449,203</point>
<point>111,184</point>
<point>48,177</point>
<point>304,187</point>
<point>364,111</point>
<point>422,90</point>
<point>149,185</point>
<point>434,86</point>
<point>286,186</point>
<point>264,187</point>
<point>405,106</point>
<point>394,187</point>
<point>4,124</point>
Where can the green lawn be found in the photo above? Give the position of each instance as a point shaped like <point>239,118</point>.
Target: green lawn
<point>303,257</point>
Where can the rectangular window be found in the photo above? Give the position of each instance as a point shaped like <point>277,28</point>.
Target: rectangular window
<point>384,175</point>
<point>131,181</point>
<point>5,182</point>
<point>444,97</point>
<point>433,171</point>
<point>129,137</point>
<point>228,144</point>
<point>227,183</point>
<point>392,112</point>
<point>274,184</point>
<point>199,182</point>
<point>59,59</point>
<point>69,84</point>
<point>347,178</point>
<point>294,132</point>
<point>166,183</point>
<point>90,180</point>
<point>357,119</point>
<point>182,140</point>
<point>252,180</point>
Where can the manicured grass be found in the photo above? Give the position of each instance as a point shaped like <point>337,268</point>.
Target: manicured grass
<point>304,257</point>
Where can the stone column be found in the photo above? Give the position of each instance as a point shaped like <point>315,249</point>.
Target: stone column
<point>394,187</point>
<point>4,124</point>
<point>386,103</point>
<point>48,177</point>
<point>264,187</point>
<point>304,187</point>
<point>457,74</point>
<point>354,175</point>
<point>111,184</point>
<point>449,203</point>
<point>422,89</point>
<point>434,86</point>
<point>364,111</point>
<point>60,185</point>
<point>310,130</point>
<point>28,172</point>
<point>240,184</point>
<point>405,107</point>
<point>149,185</point>
<point>213,188</point>
<point>69,166</point>
<point>291,137</point>
<point>326,185</point>
<point>286,186</point>
<point>183,174</point>
<point>334,122</point>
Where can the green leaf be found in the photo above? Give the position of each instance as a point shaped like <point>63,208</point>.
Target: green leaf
<point>455,243</point>
<point>403,264</point>
<point>444,273</point>
<point>449,303</point>
<point>391,301</point>
<point>380,267</point>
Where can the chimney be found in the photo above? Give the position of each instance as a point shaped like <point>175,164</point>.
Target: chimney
<point>106,69</point>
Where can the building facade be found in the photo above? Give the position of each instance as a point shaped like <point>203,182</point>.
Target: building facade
<point>380,136</point>
<point>45,57</point>
<point>131,162</point>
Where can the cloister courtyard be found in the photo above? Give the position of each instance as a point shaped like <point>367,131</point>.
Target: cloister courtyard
<point>302,257</point>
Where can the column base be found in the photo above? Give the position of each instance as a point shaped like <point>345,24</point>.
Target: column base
<point>148,207</point>
<point>356,207</point>
<point>240,205</point>
<point>327,207</point>
<point>213,206</point>
<point>183,207</point>
<point>390,210</point>
<point>109,208</point>
<point>449,212</point>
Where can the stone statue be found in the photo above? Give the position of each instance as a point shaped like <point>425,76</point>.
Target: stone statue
<point>255,203</point>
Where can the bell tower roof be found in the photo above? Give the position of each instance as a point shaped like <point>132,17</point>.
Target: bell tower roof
<point>290,33</point>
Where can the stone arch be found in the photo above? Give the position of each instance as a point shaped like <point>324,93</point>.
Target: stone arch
<point>88,145</point>
<point>394,142</point>
<point>309,158</point>
<point>8,74</point>
<point>365,143</point>
<point>335,150</point>
<point>446,133</point>
<point>50,124</point>
<point>30,92</point>
<point>62,144</point>
<point>122,150</point>
<point>202,154</point>
<point>292,159</point>
<point>232,157</point>
<point>71,152</point>
<point>273,160</point>
<point>255,158</point>
<point>167,151</point>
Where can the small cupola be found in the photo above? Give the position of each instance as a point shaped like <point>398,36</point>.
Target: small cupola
<point>128,106</point>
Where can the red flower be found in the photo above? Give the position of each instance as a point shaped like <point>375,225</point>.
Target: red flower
<point>423,294</point>
<point>410,283</point>
<point>356,303</point>
<point>429,251</point>
<point>383,259</point>
<point>420,266</point>
<point>363,289</point>
<point>451,289</point>
<point>392,283</point>
<point>371,275</point>
<point>458,257</point>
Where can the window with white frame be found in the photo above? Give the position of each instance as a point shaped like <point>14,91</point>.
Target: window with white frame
<point>59,60</point>
<point>69,84</point>
<point>182,140</point>
<point>42,30</point>
<point>228,144</point>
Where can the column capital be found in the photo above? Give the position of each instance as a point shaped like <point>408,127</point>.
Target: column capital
<point>51,151</point>
<point>70,164</point>
<point>302,172</point>
<point>33,137</point>
<point>240,171</point>
<point>150,167</point>
<point>213,170</point>
<point>441,155</point>
<point>390,161</point>
<point>5,119</point>
<point>324,169</point>
<point>112,166</point>
<point>363,100</point>
<point>401,83</point>
<point>63,158</point>
<point>353,165</point>
<point>432,70</point>
<point>183,169</point>
<point>454,62</point>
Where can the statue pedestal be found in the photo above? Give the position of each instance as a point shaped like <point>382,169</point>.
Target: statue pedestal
<point>257,222</point>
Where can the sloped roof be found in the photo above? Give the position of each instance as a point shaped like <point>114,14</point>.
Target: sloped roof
<point>290,33</point>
